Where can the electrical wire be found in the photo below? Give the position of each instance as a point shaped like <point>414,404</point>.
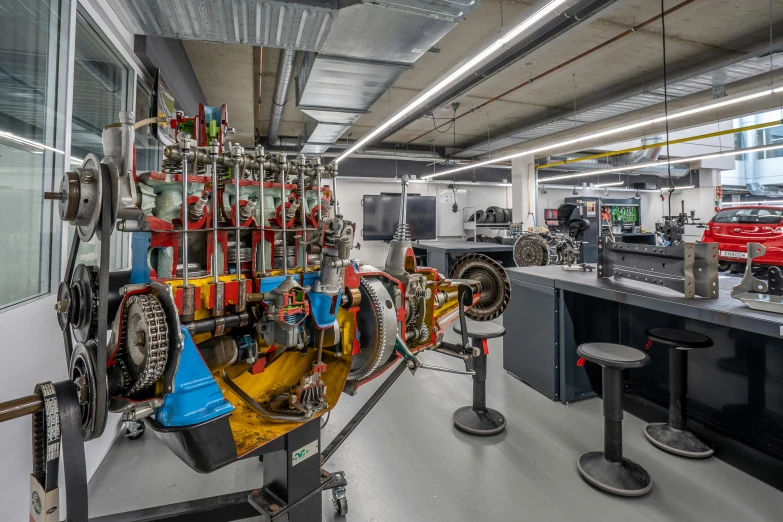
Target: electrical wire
<point>324,423</point>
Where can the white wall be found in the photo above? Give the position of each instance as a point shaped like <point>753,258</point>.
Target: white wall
<point>350,195</point>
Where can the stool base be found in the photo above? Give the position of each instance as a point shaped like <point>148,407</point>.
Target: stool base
<point>479,422</point>
<point>680,442</point>
<point>625,478</point>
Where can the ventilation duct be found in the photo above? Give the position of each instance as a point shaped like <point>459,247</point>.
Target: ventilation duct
<point>285,73</point>
<point>749,166</point>
<point>371,44</point>
<point>661,171</point>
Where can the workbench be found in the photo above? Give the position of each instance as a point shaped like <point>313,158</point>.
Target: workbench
<point>442,254</point>
<point>735,387</point>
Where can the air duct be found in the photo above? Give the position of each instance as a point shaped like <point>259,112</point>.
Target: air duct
<point>285,73</point>
<point>661,171</point>
<point>372,43</point>
<point>749,166</point>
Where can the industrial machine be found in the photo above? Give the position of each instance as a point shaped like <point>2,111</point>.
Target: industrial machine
<point>541,247</point>
<point>243,315</point>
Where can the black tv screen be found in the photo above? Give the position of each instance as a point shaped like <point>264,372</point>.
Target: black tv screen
<point>382,213</point>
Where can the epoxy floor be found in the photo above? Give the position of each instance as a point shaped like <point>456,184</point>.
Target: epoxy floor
<point>407,463</point>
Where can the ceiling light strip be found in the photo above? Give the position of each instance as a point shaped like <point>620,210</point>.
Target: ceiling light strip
<point>24,141</point>
<point>457,75</point>
<point>616,130</point>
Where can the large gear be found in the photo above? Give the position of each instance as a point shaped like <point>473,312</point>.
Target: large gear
<point>376,322</point>
<point>495,285</point>
<point>145,346</point>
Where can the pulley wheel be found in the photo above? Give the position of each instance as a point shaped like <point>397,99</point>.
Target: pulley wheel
<point>495,285</point>
<point>81,368</point>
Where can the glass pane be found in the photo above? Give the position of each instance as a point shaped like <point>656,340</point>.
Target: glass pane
<point>149,151</point>
<point>100,92</point>
<point>32,124</point>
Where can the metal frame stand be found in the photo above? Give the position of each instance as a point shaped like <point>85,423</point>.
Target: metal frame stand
<point>293,480</point>
<point>477,419</point>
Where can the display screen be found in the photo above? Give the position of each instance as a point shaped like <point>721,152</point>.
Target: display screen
<point>382,213</point>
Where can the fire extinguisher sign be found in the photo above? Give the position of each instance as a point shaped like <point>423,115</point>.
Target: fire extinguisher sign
<point>719,193</point>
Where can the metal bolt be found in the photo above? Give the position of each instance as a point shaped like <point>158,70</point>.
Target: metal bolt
<point>61,306</point>
<point>53,195</point>
<point>87,176</point>
<point>273,508</point>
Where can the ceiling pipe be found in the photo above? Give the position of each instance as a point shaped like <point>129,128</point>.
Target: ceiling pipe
<point>285,74</point>
<point>661,171</point>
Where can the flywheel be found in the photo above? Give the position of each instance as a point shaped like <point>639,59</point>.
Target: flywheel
<point>376,323</point>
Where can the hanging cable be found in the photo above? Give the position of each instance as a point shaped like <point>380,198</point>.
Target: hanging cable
<point>666,106</point>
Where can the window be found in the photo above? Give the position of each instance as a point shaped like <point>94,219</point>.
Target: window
<point>102,85</point>
<point>772,216</point>
<point>33,59</point>
<point>149,151</point>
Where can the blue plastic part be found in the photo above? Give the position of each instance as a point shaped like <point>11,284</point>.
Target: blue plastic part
<point>195,396</point>
<point>140,270</point>
<point>211,113</point>
<point>324,314</point>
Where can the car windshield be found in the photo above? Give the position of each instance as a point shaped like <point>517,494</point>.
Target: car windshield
<point>772,216</point>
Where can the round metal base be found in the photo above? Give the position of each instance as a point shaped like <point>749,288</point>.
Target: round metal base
<point>625,478</point>
<point>680,442</point>
<point>479,422</point>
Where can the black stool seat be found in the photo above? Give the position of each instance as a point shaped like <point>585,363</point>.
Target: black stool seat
<point>673,436</point>
<point>609,469</point>
<point>478,330</point>
<point>613,355</point>
<point>678,338</point>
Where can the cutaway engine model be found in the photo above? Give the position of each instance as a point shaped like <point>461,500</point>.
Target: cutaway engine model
<point>243,314</point>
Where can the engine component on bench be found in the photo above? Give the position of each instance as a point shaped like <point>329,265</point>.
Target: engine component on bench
<point>758,294</point>
<point>545,248</point>
<point>688,268</point>
<point>243,314</point>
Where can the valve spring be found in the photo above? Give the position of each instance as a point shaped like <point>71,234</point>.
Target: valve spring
<point>169,166</point>
<point>403,232</point>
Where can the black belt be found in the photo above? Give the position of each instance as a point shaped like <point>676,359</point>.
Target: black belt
<point>57,430</point>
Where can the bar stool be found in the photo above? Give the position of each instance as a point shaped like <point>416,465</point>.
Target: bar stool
<point>478,419</point>
<point>608,469</point>
<point>673,436</point>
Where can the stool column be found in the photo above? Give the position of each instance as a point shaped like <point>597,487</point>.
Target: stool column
<point>678,387</point>
<point>480,378</point>
<point>613,413</point>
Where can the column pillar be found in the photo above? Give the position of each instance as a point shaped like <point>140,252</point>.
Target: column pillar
<point>524,190</point>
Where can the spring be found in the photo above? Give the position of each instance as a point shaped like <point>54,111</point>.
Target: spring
<point>403,232</point>
<point>169,166</point>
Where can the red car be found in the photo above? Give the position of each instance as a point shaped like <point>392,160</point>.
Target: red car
<point>733,228</point>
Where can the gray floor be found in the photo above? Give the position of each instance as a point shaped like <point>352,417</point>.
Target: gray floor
<point>406,463</point>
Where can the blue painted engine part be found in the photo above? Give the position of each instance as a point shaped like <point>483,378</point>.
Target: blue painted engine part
<point>195,397</point>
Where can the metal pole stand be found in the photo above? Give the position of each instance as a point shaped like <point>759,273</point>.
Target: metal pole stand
<point>478,419</point>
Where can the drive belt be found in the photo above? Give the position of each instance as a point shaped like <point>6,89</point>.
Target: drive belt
<point>57,431</point>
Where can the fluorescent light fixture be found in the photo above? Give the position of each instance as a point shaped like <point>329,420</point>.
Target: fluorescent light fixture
<point>689,159</point>
<point>617,130</point>
<point>24,141</point>
<point>686,187</point>
<point>457,75</point>
<point>612,184</point>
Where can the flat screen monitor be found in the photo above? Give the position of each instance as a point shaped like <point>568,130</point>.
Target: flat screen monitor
<point>382,213</point>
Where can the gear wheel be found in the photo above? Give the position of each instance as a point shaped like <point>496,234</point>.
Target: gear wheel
<point>495,285</point>
<point>145,345</point>
<point>376,322</point>
<point>424,334</point>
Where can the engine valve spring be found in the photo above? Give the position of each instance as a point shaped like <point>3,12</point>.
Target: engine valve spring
<point>403,232</point>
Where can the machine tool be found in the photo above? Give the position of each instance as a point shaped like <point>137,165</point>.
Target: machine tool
<point>243,315</point>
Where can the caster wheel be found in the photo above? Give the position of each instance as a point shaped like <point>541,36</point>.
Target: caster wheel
<point>135,431</point>
<point>341,506</point>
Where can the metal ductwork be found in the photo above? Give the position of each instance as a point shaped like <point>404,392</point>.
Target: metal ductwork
<point>749,166</point>
<point>662,171</point>
<point>371,44</point>
<point>285,73</point>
